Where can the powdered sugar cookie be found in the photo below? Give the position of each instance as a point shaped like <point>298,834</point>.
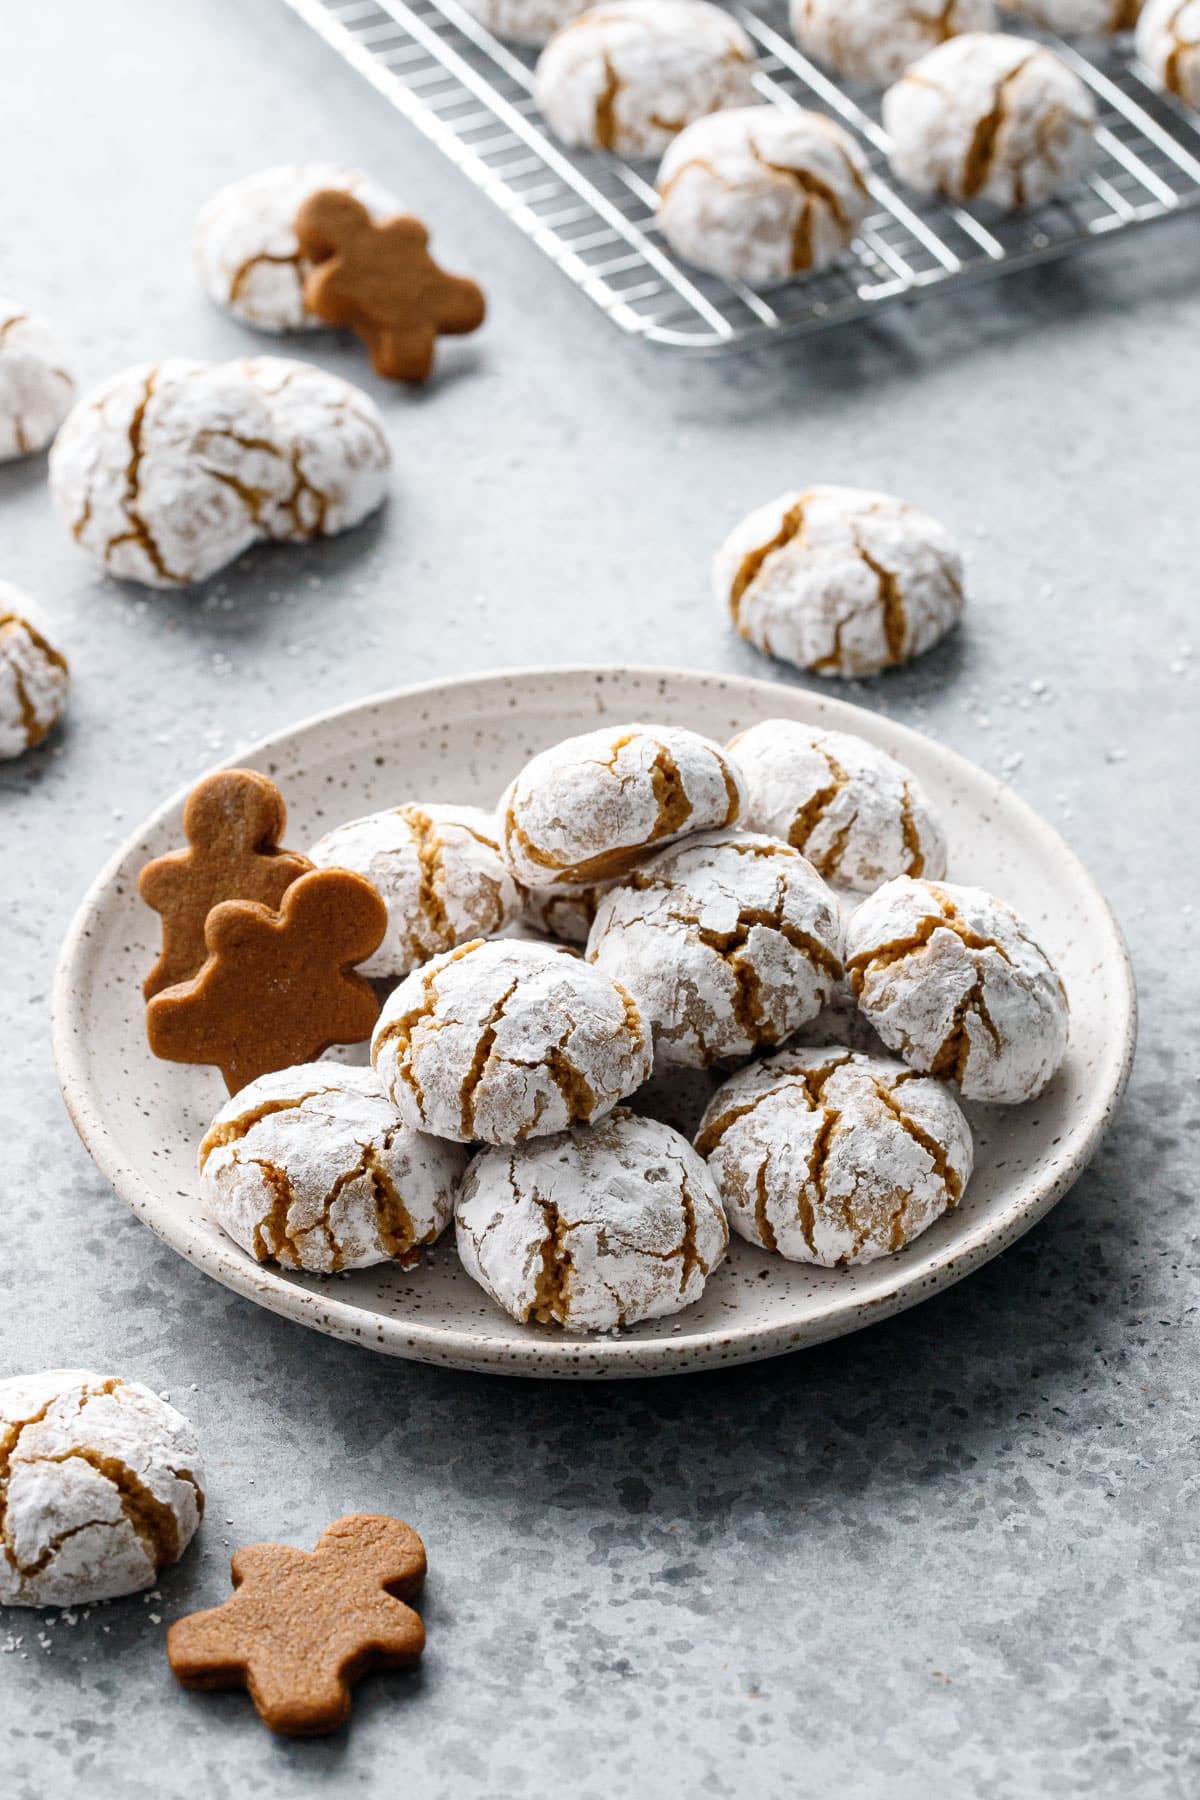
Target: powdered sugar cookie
<point>525,21</point>
<point>332,439</point>
<point>956,982</point>
<point>1078,18</point>
<point>312,1167</point>
<point>627,76</point>
<point>439,872</point>
<point>36,390</point>
<point>1168,42</point>
<point>245,243</point>
<point>593,1228</point>
<point>588,809</point>
<point>876,40</point>
<point>564,913</point>
<point>101,1486</point>
<point>829,1157</point>
<point>33,678</point>
<point>507,1040</point>
<point>858,815</point>
<point>840,581</point>
<point>990,117</point>
<point>760,193</point>
<point>728,943</point>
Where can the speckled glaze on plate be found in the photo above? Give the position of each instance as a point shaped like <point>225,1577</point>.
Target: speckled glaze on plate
<point>142,1120</point>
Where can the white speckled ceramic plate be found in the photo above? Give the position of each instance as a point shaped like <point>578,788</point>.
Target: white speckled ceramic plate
<point>142,1120</point>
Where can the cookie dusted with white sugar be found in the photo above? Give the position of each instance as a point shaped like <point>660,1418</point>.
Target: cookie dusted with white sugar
<point>858,815</point>
<point>36,390</point>
<point>438,871</point>
<point>101,1487</point>
<point>955,981</point>
<point>1078,18</point>
<point>990,117</point>
<point>840,581</point>
<point>728,943</point>
<point>829,1157</point>
<point>506,1040</point>
<point>245,240</point>
<point>525,21</point>
<point>1168,42</point>
<point>762,193</point>
<point>564,913</point>
<point>592,1229</point>
<point>33,678</point>
<point>312,1167</point>
<point>876,40</point>
<point>332,440</point>
<point>628,76</point>
<point>587,810</point>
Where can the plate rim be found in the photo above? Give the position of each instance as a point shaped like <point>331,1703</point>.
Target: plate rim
<point>599,1358</point>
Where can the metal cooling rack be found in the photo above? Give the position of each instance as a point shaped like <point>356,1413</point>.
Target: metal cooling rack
<point>593,215</point>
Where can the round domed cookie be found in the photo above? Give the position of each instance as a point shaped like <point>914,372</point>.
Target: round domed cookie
<point>331,439</point>
<point>163,473</point>
<point>588,810</point>
<point>858,815</point>
<point>101,1487</point>
<point>829,1157</point>
<point>438,871</point>
<point>989,116</point>
<point>33,678</point>
<point>840,581</point>
<point>245,241</point>
<point>509,1039</point>
<point>876,40</point>
<point>1078,18</point>
<point>955,981</point>
<point>525,21</point>
<point>312,1167</point>
<point>628,76</point>
<point>592,1229</point>
<point>1168,42</point>
<point>36,391</point>
<point>564,913</point>
<point>761,193</point>
<point>728,943</point>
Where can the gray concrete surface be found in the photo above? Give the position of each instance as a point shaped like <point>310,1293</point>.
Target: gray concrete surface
<point>955,1554</point>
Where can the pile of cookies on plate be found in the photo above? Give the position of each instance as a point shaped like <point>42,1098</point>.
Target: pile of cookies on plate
<point>762,193</point>
<point>642,900</point>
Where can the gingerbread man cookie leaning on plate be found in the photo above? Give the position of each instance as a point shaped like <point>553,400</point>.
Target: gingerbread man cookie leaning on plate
<point>628,76</point>
<point>876,40</point>
<point>36,390</point>
<point>956,982</point>
<point>840,581</point>
<point>312,1167</point>
<point>593,1229</point>
<point>762,193</point>
<point>1168,42</point>
<point>101,1486</point>
<point>33,678</point>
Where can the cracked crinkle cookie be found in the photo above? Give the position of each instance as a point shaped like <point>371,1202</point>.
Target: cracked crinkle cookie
<point>858,815</point>
<point>36,391</point>
<point>876,40</point>
<point>312,1167</point>
<point>1078,18</point>
<point>592,1229</point>
<point>33,678</point>
<point>627,77</point>
<point>840,581</point>
<point>990,117</point>
<point>525,21</point>
<point>245,241</point>
<point>505,1040</point>
<point>761,193</point>
<point>332,439</point>
<point>438,871</point>
<point>564,913</point>
<point>954,980</point>
<point>1168,42</point>
<point>728,943</point>
<point>587,810</point>
<point>830,1157</point>
<point>101,1486</point>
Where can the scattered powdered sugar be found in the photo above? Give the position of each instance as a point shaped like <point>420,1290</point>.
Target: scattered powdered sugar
<point>876,40</point>
<point>36,389</point>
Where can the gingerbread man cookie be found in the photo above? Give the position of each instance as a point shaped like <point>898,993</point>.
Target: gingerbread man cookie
<point>381,282</point>
<point>233,822</point>
<point>302,1626</point>
<point>277,988</point>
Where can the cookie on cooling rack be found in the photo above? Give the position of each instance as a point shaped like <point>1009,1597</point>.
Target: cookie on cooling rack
<point>1078,18</point>
<point>1168,42</point>
<point>525,21</point>
<point>875,40</point>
